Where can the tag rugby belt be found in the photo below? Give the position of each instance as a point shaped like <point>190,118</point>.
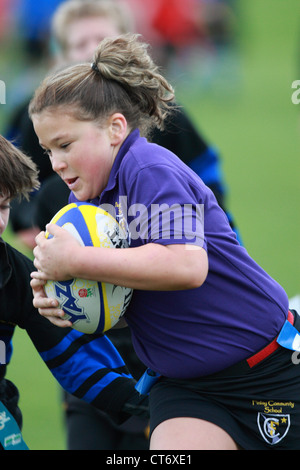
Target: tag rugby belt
<point>288,338</point>
<point>271,347</point>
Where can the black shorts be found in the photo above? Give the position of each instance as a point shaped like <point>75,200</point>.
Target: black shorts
<point>258,407</point>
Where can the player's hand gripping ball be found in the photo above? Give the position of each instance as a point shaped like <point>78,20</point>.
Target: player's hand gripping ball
<point>91,306</point>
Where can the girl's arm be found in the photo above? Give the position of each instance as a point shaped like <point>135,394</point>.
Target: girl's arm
<point>149,267</point>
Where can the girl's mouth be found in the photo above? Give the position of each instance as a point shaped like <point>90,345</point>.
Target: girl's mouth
<point>70,182</point>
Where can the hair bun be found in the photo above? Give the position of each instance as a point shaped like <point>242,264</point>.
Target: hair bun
<point>121,78</point>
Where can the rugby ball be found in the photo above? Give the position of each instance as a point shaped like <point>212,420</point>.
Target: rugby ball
<point>91,306</point>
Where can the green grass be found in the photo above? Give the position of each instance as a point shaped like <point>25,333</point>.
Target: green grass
<point>257,131</point>
<point>40,397</point>
<point>251,119</point>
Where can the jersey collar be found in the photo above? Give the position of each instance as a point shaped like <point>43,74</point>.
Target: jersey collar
<point>132,137</point>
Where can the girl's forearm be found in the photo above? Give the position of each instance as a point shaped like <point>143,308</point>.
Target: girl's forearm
<point>149,267</point>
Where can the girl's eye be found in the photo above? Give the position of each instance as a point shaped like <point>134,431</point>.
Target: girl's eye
<point>4,207</point>
<point>64,146</point>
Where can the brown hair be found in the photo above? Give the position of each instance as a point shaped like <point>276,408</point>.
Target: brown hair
<point>73,10</point>
<point>18,173</point>
<point>123,78</point>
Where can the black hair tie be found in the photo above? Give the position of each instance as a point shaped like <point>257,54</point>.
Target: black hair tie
<point>95,67</point>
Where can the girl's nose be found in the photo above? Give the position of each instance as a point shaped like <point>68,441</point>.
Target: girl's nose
<point>57,163</point>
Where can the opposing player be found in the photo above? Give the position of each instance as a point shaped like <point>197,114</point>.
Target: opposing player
<point>204,316</point>
<point>88,366</point>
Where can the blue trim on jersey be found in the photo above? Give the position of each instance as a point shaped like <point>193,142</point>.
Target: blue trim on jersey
<point>94,356</point>
<point>101,385</point>
<point>61,347</point>
<point>84,371</point>
<point>207,166</point>
<point>101,345</point>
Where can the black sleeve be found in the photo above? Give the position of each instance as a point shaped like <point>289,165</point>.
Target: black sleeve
<point>29,143</point>
<point>181,137</point>
<point>52,196</point>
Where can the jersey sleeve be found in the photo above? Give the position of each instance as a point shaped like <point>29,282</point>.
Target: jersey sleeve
<point>171,213</point>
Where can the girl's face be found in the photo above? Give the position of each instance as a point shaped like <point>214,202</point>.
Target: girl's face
<point>84,35</point>
<point>4,213</point>
<point>81,152</point>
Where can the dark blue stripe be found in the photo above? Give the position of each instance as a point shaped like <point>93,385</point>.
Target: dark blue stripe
<point>102,310</point>
<point>61,347</point>
<point>95,355</point>
<point>101,385</point>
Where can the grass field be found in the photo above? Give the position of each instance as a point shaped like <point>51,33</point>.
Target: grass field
<point>257,131</point>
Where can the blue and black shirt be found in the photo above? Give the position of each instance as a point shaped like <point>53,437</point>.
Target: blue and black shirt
<point>87,366</point>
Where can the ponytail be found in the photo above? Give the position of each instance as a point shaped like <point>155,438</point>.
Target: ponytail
<point>122,78</point>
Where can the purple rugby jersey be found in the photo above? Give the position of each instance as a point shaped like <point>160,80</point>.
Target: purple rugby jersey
<point>238,309</point>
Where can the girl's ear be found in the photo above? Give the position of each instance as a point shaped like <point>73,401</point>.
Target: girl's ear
<point>118,128</point>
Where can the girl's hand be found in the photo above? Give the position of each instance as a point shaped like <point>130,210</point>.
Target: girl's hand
<point>52,256</point>
<point>47,307</point>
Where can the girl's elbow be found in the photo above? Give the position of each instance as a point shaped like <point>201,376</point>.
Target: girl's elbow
<point>198,271</point>
<point>190,268</point>
<point>197,280</point>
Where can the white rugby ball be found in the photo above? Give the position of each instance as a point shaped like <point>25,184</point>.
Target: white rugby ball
<point>91,306</point>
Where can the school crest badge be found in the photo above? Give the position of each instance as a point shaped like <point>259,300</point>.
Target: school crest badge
<point>273,427</point>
